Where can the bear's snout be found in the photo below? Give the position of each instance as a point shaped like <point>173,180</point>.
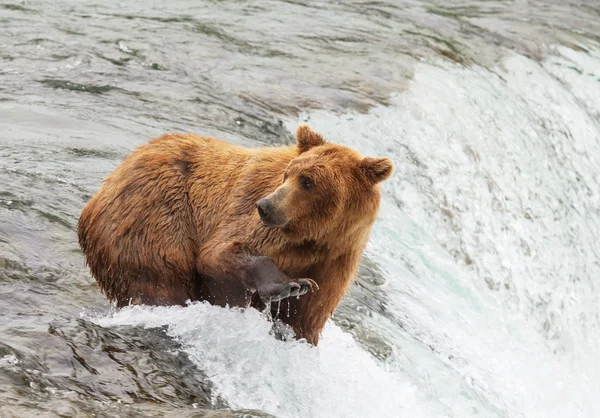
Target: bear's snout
<point>265,207</point>
<point>270,214</point>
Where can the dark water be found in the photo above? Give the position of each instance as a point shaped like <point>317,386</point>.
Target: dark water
<point>83,83</point>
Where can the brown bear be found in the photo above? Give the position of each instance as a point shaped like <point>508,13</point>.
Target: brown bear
<point>187,217</point>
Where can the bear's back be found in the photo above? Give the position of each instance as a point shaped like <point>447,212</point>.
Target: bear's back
<point>140,231</point>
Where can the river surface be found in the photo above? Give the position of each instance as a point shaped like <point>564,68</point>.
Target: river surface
<point>478,295</point>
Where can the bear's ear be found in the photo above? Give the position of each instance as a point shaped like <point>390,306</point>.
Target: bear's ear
<point>307,138</point>
<point>376,169</point>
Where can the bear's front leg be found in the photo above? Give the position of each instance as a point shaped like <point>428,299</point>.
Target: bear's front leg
<point>232,274</point>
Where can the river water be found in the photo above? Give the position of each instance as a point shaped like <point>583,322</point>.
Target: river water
<point>478,293</point>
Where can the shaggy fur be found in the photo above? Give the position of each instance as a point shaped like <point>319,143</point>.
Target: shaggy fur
<point>177,220</point>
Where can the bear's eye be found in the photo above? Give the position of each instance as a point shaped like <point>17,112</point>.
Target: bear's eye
<point>306,182</point>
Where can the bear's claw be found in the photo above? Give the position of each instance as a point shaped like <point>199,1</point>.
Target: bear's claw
<point>297,287</point>
<point>306,285</point>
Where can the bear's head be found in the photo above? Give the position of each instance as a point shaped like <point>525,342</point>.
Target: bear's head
<point>326,190</point>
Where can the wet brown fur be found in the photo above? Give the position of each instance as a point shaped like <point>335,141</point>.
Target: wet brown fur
<point>183,206</point>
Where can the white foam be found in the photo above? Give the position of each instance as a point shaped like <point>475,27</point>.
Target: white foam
<point>501,170</point>
<point>9,359</point>
<point>251,369</point>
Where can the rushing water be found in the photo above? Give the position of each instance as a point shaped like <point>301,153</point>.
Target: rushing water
<point>476,296</point>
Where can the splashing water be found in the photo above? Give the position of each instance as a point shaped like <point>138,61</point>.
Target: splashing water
<point>500,168</point>
<point>251,369</point>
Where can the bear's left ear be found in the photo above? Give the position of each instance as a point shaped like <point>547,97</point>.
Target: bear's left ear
<point>376,169</point>
<point>307,138</point>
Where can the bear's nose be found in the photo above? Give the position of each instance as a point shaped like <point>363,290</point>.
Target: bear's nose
<point>264,207</point>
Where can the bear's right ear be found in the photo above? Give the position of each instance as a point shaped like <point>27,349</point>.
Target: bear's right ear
<point>376,169</point>
<point>307,138</point>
